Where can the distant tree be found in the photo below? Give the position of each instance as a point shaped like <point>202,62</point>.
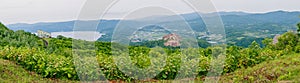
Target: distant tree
<point>61,37</point>
<point>203,43</point>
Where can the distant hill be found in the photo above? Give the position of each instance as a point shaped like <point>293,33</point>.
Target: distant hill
<point>233,13</point>
<point>49,26</point>
<point>229,18</point>
<point>281,17</point>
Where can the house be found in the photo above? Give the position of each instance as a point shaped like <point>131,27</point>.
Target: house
<point>275,39</point>
<point>43,34</point>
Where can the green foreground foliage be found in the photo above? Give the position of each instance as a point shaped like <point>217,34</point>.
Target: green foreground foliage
<point>10,72</point>
<point>283,69</point>
<point>56,60</point>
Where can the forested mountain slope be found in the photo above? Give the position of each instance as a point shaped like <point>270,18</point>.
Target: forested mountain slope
<point>18,38</point>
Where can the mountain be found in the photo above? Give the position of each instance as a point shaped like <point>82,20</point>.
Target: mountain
<point>233,13</point>
<point>49,27</point>
<point>271,17</point>
<point>191,16</point>
<point>229,18</point>
<point>238,25</point>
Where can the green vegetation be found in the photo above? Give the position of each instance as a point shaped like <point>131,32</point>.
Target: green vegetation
<point>10,72</point>
<point>283,69</point>
<point>53,58</point>
<point>298,30</point>
<point>18,38</point>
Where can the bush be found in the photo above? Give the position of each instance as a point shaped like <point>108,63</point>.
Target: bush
<point>50,66</point>
<point>56,65</point>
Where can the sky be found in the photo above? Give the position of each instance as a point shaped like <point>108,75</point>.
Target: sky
<point>33,11</point>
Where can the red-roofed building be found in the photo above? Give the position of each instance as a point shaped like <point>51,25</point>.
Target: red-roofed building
<point>275,39</point>
<point>172,40</point>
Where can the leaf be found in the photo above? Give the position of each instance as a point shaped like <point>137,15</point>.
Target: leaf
<point>69,75</point>
<point>164,76</point>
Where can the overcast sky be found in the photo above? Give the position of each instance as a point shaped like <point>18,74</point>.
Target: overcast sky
<point>32,11</point>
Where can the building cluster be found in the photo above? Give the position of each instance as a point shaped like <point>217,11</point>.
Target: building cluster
<point>43,34</point>
<point>172,40</point>
<point>275,39</point>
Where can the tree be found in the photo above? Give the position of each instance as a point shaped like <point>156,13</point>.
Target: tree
<point>253,51</point>
<point>288,39</point>
<point>203,43</point>
<point>267,42</point>
<point>298,25</point>
<point>254,45</point>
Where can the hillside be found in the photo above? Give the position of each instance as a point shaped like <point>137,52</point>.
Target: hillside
<point>58,61</point>
<point>3,27</point>
<point>18,38</point>
<point>11,72</point>
<point>288,19</point>
<point>284,69</point>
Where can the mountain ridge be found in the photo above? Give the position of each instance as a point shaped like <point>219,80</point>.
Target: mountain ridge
<point>220,13</point>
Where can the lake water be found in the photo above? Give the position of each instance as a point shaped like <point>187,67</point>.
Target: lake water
<point>83,35</point>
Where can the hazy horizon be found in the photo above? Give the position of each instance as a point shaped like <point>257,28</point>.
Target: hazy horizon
<point>35,11</point>
<point>119,19</point>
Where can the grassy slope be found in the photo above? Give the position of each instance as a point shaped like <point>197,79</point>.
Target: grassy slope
<point>283,69</point>
<point>12,73</point>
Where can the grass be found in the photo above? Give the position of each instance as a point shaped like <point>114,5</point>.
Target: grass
<point>12,73</point>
